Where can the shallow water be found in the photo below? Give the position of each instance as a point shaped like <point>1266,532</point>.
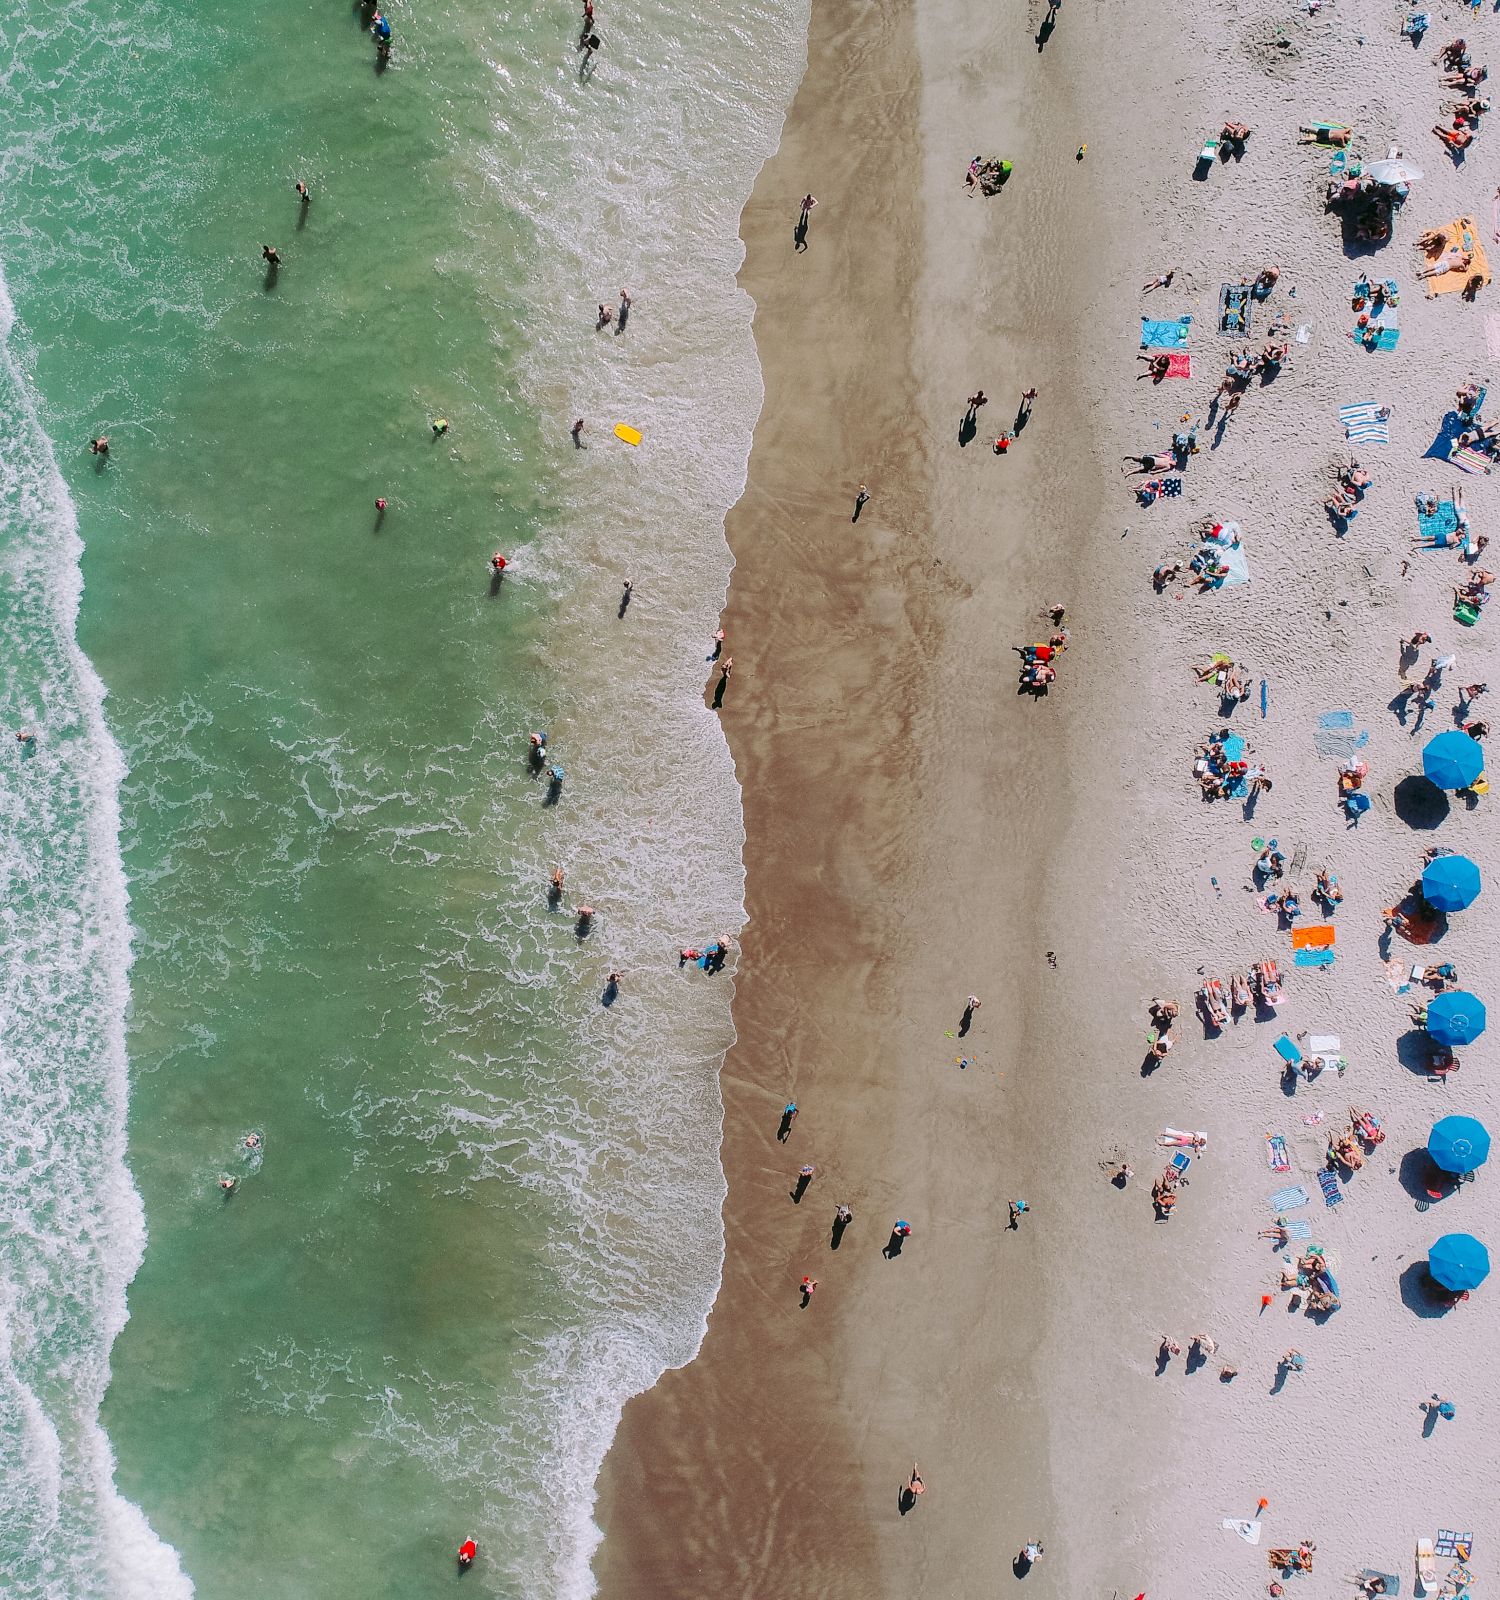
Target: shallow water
<point>485,1208</point>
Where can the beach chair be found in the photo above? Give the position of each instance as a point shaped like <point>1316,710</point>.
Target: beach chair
<point>1180,1162</point>
<point>1208,154</point>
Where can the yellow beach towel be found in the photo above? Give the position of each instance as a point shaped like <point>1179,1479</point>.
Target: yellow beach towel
<point>1464,234</point>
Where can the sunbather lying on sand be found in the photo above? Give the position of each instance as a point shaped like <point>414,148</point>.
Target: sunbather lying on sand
<point>1467,78</point>
<point>1312,133</point>
<point>1454,138</point>
<point>1157,463</point>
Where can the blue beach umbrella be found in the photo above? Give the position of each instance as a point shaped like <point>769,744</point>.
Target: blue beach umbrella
<point>1452,760</point>
<point>1458,1261</point>
<point>1459,1144</point>
<point>1455,1018</point>
<point>1450,883</point>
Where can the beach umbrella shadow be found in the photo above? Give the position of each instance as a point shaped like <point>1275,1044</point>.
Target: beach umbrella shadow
<point>1420,803</point>
<point>1420,1295</point>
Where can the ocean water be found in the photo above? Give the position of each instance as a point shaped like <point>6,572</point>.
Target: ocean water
<point>276,863</point>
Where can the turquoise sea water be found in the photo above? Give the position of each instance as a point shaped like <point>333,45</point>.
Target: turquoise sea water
<point>485,1206</point>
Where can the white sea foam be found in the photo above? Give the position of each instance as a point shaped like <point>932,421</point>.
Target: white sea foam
<point>650,163</point>
<point>71,1227</point>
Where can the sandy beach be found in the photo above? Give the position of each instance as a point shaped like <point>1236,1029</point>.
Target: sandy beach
<point>917,831</point>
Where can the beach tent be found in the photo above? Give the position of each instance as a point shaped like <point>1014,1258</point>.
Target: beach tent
<point>1459,1144</point>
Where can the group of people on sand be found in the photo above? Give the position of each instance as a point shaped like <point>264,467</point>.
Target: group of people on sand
<point>1038,668</point>
<point>1224,773</point>
<point>1459,72</point>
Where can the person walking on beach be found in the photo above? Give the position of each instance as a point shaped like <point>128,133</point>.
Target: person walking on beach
<point>1031,1553</point>
<point>966,1021</point>
<point>806,1289</point>
<point>842,1217</point>
<point>723,682</point>
<point>1028,396</point>
<point>804,1177</point>
<point>1018,1209</point>
<point>718,649</point>
<point>859,502</point>
<point>912,1488</point>
<point>808,202</point>
<point>788,1117</point>
<point>977,399</point>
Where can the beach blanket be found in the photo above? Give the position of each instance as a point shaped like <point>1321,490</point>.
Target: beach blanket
<point>1297,1229</point>
<point>1163,334</point>
<point>1396,976</point>
<point>1248,1530</point>
<point>1364,425</point>
<point>1232,557</point>
<point>1471,458</point>
<point>1234,308</point>
<point>1448,1542</point>
<point>1321,957</point>
<point>1463,232</point>
<point>1439,523</point>
<point>1452,425</point>
<point>1329,1184</point>
<point>1179,364</point>
<point>1289,1199</point>
<point>1276,1153</point>
<point>1317,937</point>
<point>1337,738</point>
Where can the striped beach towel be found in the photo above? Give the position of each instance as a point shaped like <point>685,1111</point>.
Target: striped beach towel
<point>1289,1199</point>
<point>1468,458</point>
<point>1364,425</point>
<point>1329,1184</point>
<point>1296,1229</point>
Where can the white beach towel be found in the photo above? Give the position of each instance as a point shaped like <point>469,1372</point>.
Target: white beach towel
<point>1363,425</point>
<point>1247,1530</point>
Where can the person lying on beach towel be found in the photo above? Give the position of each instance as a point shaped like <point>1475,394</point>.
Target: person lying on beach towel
<point>1325,133</point>
<point>1160,462</point>
<point>1453,259</point>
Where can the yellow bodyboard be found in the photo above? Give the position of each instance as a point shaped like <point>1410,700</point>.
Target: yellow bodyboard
<point>630,435</point>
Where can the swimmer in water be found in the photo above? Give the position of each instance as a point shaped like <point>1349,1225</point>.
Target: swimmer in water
<point>26,737</point>
<point>304,194</point>
<point>380,504</point>
<point>99,446</point>
<point>228,1184</point>
<point>466,1553</point>
<point>439,427</point>
<point>270,255</point>
<point>252,1141</point>
<point>558,875</point>
<point>498,564</point>
<point>585,915</point>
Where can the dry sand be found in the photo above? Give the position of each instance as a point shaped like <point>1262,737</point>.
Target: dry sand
<point>917,832</point>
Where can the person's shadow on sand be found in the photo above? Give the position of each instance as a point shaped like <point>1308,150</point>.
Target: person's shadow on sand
<point>968,429</point>
<point>905,1499</point>
<point>893,1245</point>
<point>799,236</point>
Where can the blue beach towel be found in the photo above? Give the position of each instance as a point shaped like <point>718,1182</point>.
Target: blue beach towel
<point>1313,958</point>
<point>1287,1050</point>
<point>1337,738</point>
<point>1362,425</point>
<point>1332,1194</point>
<point>1289,1200</point>
<point>1444,520</point>
<point>1452,425</point>
<point>1165,334</point>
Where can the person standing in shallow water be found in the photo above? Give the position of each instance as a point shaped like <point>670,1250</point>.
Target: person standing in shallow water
<point>723,682</point>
